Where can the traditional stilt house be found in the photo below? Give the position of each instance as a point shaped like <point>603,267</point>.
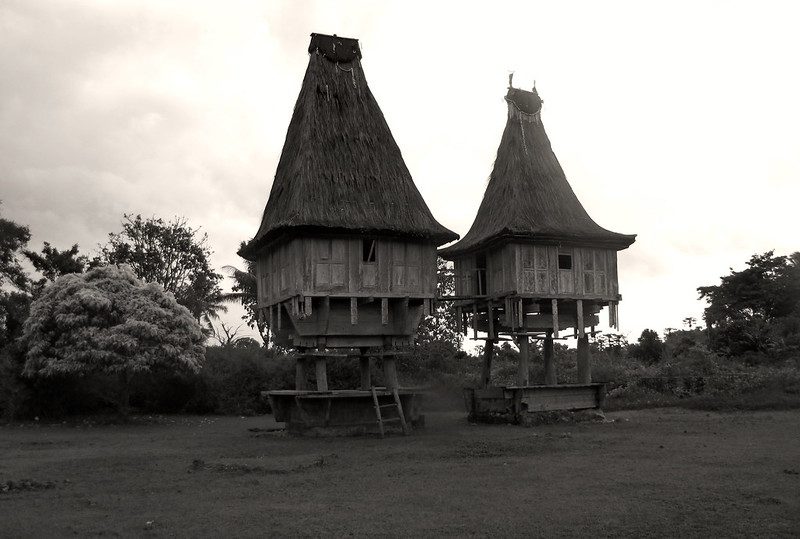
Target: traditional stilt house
<point>534,264</point>
<point>346,251</point>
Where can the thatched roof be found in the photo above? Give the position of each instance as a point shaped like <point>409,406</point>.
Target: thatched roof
<point>341,169</point>
<point>528,196</point>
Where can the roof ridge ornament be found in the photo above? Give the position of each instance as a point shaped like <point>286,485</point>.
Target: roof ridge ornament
<point>535,117</point>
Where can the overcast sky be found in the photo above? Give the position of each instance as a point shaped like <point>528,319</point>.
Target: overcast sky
<point>674,121</point>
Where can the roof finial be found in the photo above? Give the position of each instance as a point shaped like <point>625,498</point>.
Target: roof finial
<point>534,85</point>
<point>511,79</point>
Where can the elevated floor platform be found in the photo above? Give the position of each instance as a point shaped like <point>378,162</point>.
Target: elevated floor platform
<point>518,404</point>
<point>344,412</point>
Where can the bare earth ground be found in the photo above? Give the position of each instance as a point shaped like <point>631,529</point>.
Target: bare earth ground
<point>666,472</point>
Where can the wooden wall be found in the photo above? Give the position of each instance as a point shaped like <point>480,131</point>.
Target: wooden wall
<point>534,269</point>
<point>336,266</point>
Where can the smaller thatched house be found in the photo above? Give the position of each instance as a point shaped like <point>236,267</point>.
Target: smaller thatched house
<point>534,263</point>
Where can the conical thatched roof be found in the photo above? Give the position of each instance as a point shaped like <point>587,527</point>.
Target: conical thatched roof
<point>528,196</point>
<point>341,169</point>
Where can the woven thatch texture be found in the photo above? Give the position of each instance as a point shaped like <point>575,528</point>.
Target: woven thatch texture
<point>528,196</point>
<point>341,169</point>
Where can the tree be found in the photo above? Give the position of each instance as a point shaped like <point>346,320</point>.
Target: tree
<point>226,336</point>
<point>649,347</point>
<point>13,303</point>
<point>108,321</point>
<point>756,310</point>
<point>13,238</point>
<point>245,291</point>
<point>52,263</point>
<point>14,308</point>
<point>172,255</point>
<point>443,326</point>
<point>246,343</point>
<point>613,343</point>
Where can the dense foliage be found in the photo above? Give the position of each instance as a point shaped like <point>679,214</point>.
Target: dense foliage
<point>169,253</point>
<point>108,321</point>
<point>443,325</point>
<point>14,299</point>
<point>52,263</point>
<point>649,348</point>
<point>756,312</point>
<point>244,291</point>
<point>13,238</point>
<point>96,341</point>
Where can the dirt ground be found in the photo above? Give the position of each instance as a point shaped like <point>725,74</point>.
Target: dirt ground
<point>666,472</point>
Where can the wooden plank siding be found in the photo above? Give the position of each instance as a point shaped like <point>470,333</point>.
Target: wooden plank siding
<point>534,270</point>
<point>335,266</point>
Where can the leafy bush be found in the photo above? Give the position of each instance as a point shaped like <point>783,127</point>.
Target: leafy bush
<point>232,379</point>
<point>649,348</point>
<point>108,322</point>
<point>52,397</point>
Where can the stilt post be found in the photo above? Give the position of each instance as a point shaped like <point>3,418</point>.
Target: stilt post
<point>554,305</point>
<point>322,373</point>
<point>524,353</point>
<point>550,377</point>
<point>390,372</point>
<point>366,376</point>
<point>584,361</point>
<point>488,353</point>
<point>300,372</point>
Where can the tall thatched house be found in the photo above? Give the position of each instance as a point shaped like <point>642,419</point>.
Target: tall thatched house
<point>346,250</point>
<point>534,263</point>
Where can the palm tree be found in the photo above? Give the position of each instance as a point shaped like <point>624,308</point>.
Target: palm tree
<point>245,291</point>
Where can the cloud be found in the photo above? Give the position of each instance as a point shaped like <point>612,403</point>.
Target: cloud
<point>678,124</point>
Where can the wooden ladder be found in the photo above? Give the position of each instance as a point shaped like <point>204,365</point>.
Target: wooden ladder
<point>397,405</point>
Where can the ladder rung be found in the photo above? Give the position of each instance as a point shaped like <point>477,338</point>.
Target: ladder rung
<point>393,405</point>
<point>387,419</point>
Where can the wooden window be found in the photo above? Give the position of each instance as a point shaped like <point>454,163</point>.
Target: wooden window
<point>369,263</point>
<point>324,249</point>
<point>535,268</point>
<point>528,262</point>
<point>496,270</point>
<point>566,275</point>
<point>588,260</point>
<point>600,272</point>
<point>465,276</point>
<point>330,272</point>
<point>285,257</point>
<point>369,250</point>
<point>595,271</point>
<point>398,266</point>
<point>406,267</point>
<point>413,266</point>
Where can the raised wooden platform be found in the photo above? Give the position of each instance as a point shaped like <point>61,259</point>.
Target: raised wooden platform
<point>511,404</point>
<point>342,412</point>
